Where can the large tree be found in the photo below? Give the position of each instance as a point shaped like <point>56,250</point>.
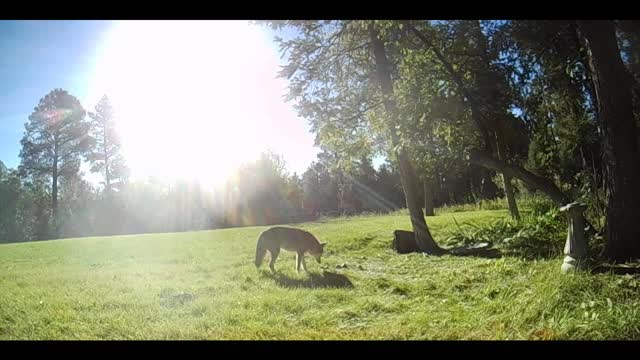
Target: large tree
<point>615,109</point>
<point>478,76</point>
<point>407,173</point>
<point>341,75</point>
<point>106,157</point>
<point>55,139</point>
<point>470,67</point>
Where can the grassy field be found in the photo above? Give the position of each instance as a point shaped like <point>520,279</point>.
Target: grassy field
<point>203,285</point>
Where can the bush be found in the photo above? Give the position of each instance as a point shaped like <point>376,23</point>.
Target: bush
<point>533,237</point>
<point>486,204</point>
<point>538,204</point>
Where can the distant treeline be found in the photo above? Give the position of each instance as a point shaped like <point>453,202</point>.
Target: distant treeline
<point>260,193</point>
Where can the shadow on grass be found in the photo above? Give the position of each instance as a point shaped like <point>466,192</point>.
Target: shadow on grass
<point>489,253</point>
<point>617,269</point>
<point>312,280</point>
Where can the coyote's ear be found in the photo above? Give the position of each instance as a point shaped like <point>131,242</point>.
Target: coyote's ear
<point>323,244</point>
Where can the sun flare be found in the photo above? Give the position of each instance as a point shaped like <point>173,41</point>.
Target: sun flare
<point>191,97</point>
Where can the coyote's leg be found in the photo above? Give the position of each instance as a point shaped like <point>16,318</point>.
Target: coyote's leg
<point>274,257</point>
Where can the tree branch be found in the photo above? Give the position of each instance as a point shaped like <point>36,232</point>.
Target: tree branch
<point>457,79</point>
<point>536,181</point>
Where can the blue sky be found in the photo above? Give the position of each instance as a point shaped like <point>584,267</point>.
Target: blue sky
<point>38,56</point>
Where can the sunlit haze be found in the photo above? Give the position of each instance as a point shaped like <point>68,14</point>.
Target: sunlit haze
<point>195,99</point>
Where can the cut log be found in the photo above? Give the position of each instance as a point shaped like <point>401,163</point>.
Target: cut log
<point>404,242</point>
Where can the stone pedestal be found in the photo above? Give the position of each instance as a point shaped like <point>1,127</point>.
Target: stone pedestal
<point>575,248</point>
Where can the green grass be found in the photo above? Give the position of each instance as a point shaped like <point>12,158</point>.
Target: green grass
<point>203,285</point>
<point>527,203</point>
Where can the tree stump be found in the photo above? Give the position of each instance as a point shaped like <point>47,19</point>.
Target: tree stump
<point>404,242</point>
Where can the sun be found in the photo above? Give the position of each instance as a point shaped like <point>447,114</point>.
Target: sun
<point>190,96</point>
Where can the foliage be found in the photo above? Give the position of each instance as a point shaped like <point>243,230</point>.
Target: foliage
<point>106,157</point>
<point>535,236</point>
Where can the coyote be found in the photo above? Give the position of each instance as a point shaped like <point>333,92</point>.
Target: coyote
<point>300,241</point>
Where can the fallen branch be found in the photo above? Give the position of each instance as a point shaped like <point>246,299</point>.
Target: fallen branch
<point>535,181</point>
<point>404,242</point>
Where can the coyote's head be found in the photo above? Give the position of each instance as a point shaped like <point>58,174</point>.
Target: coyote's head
<point>317,251</point>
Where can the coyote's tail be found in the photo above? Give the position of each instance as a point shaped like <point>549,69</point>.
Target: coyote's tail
<point>261,250</point>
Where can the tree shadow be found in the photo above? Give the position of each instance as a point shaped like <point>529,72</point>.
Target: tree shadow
<point>617,269</point>
<point>313,280</point>
<point>488,253</point>
<point>404,243</point>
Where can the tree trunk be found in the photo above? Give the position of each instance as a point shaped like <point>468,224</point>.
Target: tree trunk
<point>428,199</point>
<point>407,176</point>
<point>449,190</point>
<point>615,111</point>
<point>410,186</point>
<point>54,191</point>
<point>54,184</point>
<point>511,197</point>
<point>107,178</point>
<point>508,186</point>
<point>472,190</point>
<point>506,178</point>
